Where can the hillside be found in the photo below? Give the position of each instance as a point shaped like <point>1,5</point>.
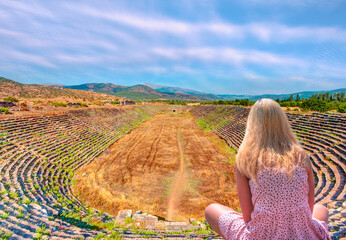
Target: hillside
<point>35,91</point>
<point>102,91</point>
<point>106,88</point>
<point>210,96</point>
<point>305,94</point>
<point>178,90</point>
<point>136,92</point>
<point>139,92</point>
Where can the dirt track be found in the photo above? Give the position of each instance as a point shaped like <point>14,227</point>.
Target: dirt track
<point>168,167</point>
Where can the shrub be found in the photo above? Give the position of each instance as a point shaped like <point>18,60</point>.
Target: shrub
<point>11,99</point>
<point>342,108</point>
<point>315,105</point>
<point>59,104</point>
<point>4,110</point>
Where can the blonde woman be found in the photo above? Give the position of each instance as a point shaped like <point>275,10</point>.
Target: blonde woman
<point>275,184</point>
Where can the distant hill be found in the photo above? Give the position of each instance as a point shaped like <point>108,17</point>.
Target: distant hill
<point>177,90</point>
<point>150,91</point>
<point>107,88</point>
<point>136,92</point>
<point>33,91</point>
<point>305,94</point>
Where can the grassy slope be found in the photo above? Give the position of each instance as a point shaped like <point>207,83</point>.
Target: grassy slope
<point>30,91</point>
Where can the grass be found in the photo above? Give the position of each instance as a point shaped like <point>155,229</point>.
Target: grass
<point>129,220</point>
<point>203,124</point>
<point>5,235</point>
<point>42,230</point>
<point>146,232</point>
<point>3,192</point>
<point>20,214</point>
<point>4,215</point>
<point>78,220</point>
<point>12,195</point>
<point>228,151</point>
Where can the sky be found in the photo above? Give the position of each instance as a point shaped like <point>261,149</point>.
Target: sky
<point>215,46</point>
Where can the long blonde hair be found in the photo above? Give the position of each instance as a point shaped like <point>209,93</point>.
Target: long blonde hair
<point>269,141</point>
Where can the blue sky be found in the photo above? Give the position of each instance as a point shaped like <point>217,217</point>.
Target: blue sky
<point>224,47</point>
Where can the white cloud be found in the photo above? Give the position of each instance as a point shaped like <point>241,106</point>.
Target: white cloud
<point>141,22</point>
<point>262,31</point>
<point>295,3</point>
<point>32,8</point>
<point>228,55</point>
<point>13,55</point>
<point>272,32</point>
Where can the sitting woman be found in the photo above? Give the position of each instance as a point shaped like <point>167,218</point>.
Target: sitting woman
<point>275,184</point>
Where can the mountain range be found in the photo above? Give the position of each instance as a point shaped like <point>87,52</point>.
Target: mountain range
<point>147,91</point>
<point>150,91</point>
<point>137,92</point>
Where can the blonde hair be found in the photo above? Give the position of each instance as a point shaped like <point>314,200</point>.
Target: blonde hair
<point>269,141</point>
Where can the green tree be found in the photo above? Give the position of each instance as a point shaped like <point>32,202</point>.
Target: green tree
<point>342,108</point>
<point>291,98</point>
<point>298,98</point>
<point>315,105</point>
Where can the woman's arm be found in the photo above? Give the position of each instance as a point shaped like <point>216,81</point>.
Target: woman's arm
<point>244,195</point>
<point>311,194</point>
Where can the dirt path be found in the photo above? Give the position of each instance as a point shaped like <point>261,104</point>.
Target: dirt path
<point>168,167</point>
<point>177,186</point>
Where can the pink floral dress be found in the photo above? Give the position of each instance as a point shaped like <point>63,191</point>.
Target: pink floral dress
<point>281,210</point>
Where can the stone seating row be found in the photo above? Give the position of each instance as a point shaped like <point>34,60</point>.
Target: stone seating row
<point>39,158</point>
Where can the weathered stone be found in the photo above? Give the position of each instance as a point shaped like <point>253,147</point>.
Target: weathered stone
<point>178,225</point>
<point>202,226</point>
<point>38,209</point>
<point>144,217</point>
<point>159,225</point>
<point>344,204</point>
<point>343,214</point>
<point>123,214</point>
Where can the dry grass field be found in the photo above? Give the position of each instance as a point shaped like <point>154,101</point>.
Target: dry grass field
<point>168,166</point>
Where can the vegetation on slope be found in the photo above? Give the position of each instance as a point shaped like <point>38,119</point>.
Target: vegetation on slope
<point>18,90</point>
<point>136,92</point>
<point>318,102</point>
